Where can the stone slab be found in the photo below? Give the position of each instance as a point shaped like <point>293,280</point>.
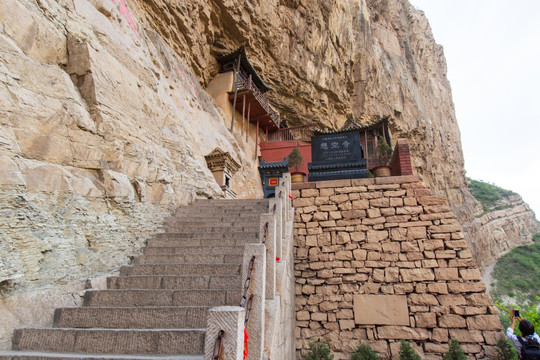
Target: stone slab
<point>380,310</point>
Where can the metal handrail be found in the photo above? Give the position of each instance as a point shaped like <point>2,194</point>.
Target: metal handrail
<point>218,345</point>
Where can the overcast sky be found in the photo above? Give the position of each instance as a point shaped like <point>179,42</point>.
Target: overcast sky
<point>492,50</point>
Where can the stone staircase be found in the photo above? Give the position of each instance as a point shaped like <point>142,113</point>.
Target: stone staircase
<point>156,308</point>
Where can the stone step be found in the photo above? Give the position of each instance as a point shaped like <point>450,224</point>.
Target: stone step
<point>160,297</point>
<point>182,269</point>
<point>179,242</point>
<point>194,250</point>
<point>215,222</point>
<point>178,317</point>
<point>216,228</point>
<point>230,202</point>
<point>217,212</point>
<point>175,282</point>
<point>39,355</point>
<point>208,235</point>
<point>111,341</point>
<point>187,259</point>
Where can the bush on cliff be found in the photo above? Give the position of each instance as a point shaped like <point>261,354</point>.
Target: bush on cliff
<point>517,274</point>
<point>506,350</point>
<point>318,351</point>
<point>364,352</point>
<point>488,194</point>
<point>454,352</point>
<point>406,352</point>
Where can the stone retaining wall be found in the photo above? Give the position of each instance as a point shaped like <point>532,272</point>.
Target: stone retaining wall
<point>386,236</point>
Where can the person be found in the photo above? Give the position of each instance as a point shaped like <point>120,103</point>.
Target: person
<point>527,331</point>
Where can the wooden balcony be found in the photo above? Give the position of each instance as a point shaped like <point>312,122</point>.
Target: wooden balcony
<point>254,104</point>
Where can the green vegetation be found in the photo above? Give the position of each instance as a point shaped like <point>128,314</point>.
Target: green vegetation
<point>527,312</point>
<point>517,274</point>
<point>364,352</point>
<point>318,351</point>
<point>295,159</point>
<point>506,350</point>
<point>406,352</point>
<point>384,151</point>
<point>454,352</point>
<point>488,194</point>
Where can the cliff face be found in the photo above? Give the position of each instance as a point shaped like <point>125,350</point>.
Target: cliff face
<point>104,120</point>
<point>498,231</point>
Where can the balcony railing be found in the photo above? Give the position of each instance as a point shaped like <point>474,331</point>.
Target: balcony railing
<point>243,83</point>
<point>296,133</point>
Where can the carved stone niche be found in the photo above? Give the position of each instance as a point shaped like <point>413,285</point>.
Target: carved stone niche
<point>223,166</point>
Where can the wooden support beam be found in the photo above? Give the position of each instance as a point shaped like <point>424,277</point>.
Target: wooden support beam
<point>247,122</point>
<point>243,113</point>
<point>257,139</point>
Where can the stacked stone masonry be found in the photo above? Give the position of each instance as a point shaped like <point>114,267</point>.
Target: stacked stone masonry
<point>387,236</point>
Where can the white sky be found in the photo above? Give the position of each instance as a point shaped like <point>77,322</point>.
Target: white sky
<point>492,50</point>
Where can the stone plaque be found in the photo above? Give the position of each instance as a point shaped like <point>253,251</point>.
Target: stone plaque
<point>380,310</point>
<point>337,156</point>
<point>334,148</point>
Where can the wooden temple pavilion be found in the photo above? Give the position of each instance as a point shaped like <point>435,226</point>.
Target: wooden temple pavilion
<point>248,94</point>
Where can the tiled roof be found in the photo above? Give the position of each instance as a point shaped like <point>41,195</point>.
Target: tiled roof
<point>275,164</point>
<point>352,125</point>
<point>246,65</point>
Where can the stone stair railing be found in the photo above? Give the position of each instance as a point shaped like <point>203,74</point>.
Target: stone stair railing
<point>227,325</point>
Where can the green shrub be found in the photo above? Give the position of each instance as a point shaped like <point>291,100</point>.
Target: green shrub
<point>454,352</point>
<point>319,351</point>
<point>527,312</point>
<point>506,350</point>
<point>364,352</point>
<point>406,352</point>
<point>488,194</point>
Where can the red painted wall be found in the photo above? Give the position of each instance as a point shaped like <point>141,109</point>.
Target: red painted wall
<point>278,151</point>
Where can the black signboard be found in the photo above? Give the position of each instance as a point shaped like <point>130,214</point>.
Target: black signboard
<point>337,156</point>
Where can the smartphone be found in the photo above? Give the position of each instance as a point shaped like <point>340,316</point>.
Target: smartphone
<point>516,313</point>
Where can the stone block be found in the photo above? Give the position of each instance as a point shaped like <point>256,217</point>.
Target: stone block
<point>446,274</point>
<point>410,275</point>
<point>346,324</point>
<point>391,247</point>
<point>426,320</point>
<point>376,236</point>
<point>479,299</point>
<point>310,193</point>
<point>484,322</point>
<point>434,229</point>
<point>423,299</point>
<point>438,288</point>
<point>303,202</point>
<point>380,310</point>
<point>391,274</point>
<point>452,321</point>
<point>445,254</point>
<point>333,183</point>
<point>398,234</point>
<point>467,287</point>
<point>440,335</point>
<point>360,254</point>
<point>402,333</point>
<point>450,300</point>
<point>431,200</point>
<point>409,210</point>
<point>436,348</point>
<point>466,336</point>
<point>417,232</point>
<point>431,245</point>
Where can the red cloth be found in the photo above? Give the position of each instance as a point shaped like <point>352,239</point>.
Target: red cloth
<point>291,196</point>
<point>246,337</point>
<point>277,259</point>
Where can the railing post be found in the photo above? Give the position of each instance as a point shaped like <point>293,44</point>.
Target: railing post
<point>267,231</point>
<point>281,194</point>
<point>255,316</point>
<point>286,181</point>
<point>276,210</point>
<point>230,319</point>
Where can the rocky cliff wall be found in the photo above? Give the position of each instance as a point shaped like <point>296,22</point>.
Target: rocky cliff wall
<point>103,132</point>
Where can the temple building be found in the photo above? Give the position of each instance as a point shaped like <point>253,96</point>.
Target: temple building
<point>241,92</point>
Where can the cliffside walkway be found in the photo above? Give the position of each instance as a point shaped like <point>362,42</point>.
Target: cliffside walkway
<point>158,307</point>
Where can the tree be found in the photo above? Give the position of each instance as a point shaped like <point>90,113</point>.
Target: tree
<point>454,352</point>
<point>295,159</point>
<point>318,351</point>
<point>506,350</point>
<point>406,352</point>
<point>364,352</point>
<point>384,151</point>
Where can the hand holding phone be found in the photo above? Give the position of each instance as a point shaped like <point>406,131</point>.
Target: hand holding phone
<point>516,313</point>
